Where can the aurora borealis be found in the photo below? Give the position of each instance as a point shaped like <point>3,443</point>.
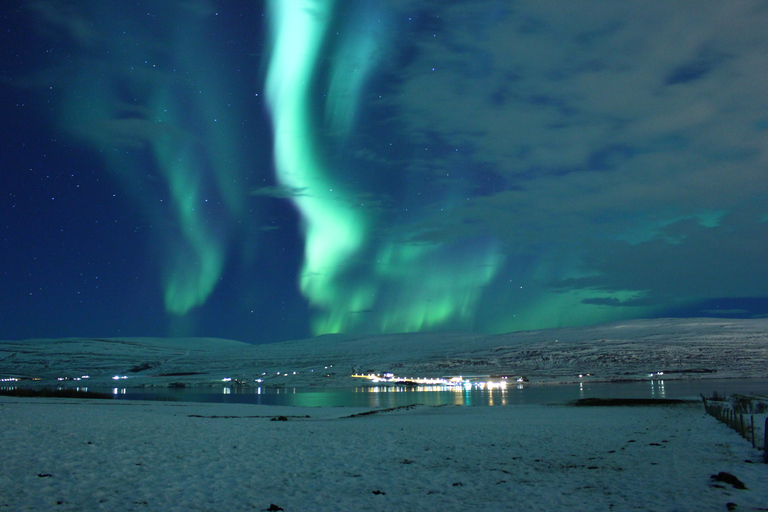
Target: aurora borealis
<point>281,169</point>
<point>347,294</point>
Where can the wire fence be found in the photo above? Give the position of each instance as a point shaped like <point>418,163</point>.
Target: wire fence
<point>731,412</point>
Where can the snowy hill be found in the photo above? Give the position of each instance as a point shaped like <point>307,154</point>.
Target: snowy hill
<point>681,348</point>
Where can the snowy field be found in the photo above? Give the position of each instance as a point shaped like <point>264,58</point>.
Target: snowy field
<point>73,454</point>
<point>163,456</point>
<point>681,348</point>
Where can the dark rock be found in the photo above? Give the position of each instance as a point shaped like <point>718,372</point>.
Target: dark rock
<point>274,508</point>
<point>279,418</point>
<point>729,479</point>
<point>143,366</point>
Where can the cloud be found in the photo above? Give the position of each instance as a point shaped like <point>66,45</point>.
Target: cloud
<point>614,302</point>
<point>627,141</point>
<point>280,191</point>
<point>721,261</point>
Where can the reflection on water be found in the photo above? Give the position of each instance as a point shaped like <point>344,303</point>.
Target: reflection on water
<point>657,389</point>
<point>433,395</point>
<point>395,396</point>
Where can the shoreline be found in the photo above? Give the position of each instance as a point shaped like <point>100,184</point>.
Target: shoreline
<point>680,348</point>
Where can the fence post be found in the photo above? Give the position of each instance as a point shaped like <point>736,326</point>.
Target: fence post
<point>765,441</point>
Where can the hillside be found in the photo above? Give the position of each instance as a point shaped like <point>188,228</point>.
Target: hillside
<point>681,348</point>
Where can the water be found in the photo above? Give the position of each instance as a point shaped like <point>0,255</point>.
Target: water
<point>391,396</point>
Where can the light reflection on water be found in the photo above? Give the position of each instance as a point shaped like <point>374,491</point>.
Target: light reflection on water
<point>395,396</point>
<point>657,389</point>
<point>384,396</point>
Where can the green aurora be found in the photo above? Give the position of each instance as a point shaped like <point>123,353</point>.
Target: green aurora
<point>138,106</point>
<point>411,286</point>
<point>390,166</point>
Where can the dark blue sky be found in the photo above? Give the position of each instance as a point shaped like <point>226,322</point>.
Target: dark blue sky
<point>273,170</point>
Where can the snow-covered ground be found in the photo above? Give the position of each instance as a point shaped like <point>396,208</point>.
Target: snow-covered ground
<point>72,454</point>
<point>681,348</point>
<point>163,456</point>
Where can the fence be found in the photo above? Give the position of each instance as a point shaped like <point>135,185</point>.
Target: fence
<point>723,411</point>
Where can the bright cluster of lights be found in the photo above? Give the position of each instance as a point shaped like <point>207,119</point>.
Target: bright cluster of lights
<point>452,382</point>
<point>389,377</point>
<point>9,379</point>
<point>491,385</point>
<point>119,377</point>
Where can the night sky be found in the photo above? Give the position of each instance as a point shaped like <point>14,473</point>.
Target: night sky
<point>276,170</point>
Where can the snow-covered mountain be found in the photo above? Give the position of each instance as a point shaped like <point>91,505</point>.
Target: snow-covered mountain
<point>681,348</point>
